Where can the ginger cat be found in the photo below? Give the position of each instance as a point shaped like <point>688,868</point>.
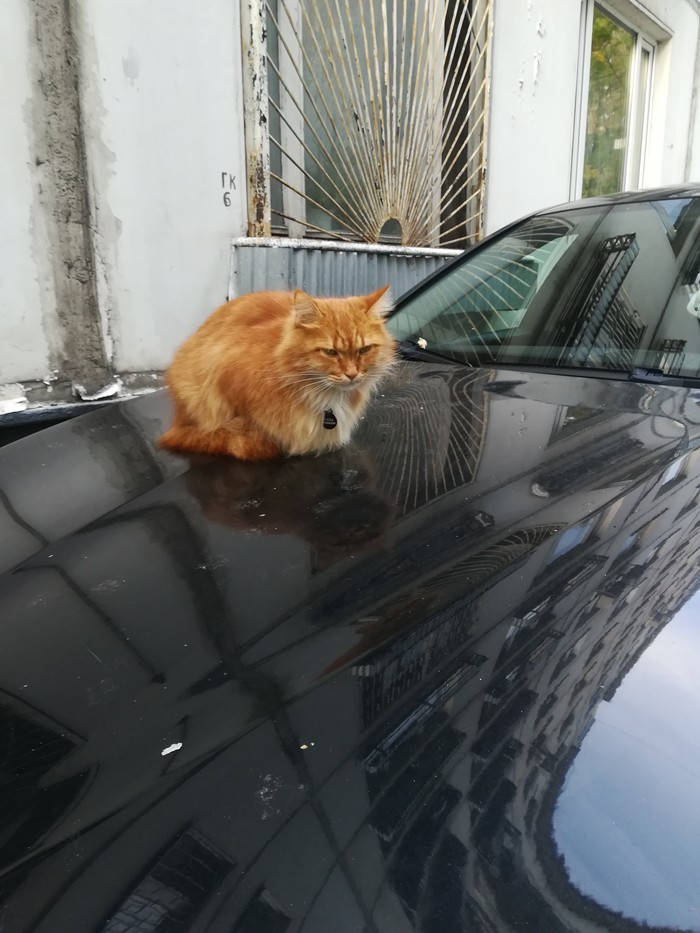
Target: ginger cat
<point>278,374</point>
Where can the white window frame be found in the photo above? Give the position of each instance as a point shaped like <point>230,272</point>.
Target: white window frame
<point>674,473</point>
<point>644,42</point>
<point>563,544</point>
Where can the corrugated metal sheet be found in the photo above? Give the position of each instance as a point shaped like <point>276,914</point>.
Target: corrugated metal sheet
<point>327,267</point>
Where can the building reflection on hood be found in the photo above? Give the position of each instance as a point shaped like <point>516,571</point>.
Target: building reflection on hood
<point>621,840</point>
<point>359,725</point>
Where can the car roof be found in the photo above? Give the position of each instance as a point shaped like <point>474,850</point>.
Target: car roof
<point>629,197</point>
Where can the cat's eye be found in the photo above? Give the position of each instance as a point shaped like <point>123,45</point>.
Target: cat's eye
<point>363,350</point>
<point>329,351</point>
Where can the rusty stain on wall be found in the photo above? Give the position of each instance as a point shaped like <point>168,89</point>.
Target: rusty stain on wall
<point>253,34</point>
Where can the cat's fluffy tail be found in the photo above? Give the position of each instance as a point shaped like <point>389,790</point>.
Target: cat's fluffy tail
<point>243,441</point>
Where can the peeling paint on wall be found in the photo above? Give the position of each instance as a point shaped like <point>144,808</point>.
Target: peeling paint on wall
<point>253,32</point>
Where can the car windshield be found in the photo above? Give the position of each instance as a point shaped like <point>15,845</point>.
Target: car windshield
<point>606,287</point>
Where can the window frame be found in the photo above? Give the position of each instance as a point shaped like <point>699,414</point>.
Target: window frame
<point>588,525</point>
<point>674,473</point>
<point>644,41</point>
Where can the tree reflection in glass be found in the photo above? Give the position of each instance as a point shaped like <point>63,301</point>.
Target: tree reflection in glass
<point>612,48</point>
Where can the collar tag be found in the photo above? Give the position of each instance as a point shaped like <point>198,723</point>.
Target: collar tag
<point>329,419</point>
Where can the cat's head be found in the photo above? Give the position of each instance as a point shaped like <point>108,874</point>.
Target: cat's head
<point>340,342</point>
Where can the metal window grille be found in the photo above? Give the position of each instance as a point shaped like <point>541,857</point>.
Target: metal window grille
<point>367,121</point>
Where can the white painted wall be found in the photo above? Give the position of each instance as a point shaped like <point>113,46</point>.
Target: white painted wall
<point>533,95</point>
<point>533,131</point>
<point>162,113</point>
<point>26,299</point>
<point>669,144</point>
<point>162,88</point>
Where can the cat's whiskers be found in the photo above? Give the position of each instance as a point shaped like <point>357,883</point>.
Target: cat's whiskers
<point>303,380</point>
<point>302,377</point>
<point>313,388</point>
<point>308,389</point>
<point>326,396</point>
<point>317,391</point>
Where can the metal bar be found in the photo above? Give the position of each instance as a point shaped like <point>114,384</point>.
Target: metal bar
<point>322,146</point>
<point>376,105</point>
<point>356,98</point>
<point>255,97</point>
<point>473,130</point>
<point>419,103</point>
<point>334,137</point>
<point>444,199</point>
<point>455,92</point>
<point>330,86</point>
<point>457,88</point>
<point>410,80</point>
<point>349,208</point>
<point>334,234</point>
<point>311,200</point>
<point>485,122</point>
<point>465,143</point>
<point>398,126</point>
<point>374,125</point>
<point>380,248</point>
<point>390,91</point>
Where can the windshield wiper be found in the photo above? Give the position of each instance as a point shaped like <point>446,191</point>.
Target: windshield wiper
<point>411,350</point>
<point>659,377</point>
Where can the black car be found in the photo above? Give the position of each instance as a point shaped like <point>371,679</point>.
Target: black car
<point>443,680</point>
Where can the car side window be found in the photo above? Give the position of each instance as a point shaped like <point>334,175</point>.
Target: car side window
<point>609,287</point>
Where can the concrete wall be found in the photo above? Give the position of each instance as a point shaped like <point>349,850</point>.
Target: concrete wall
<point>163,123</point>
<point>26,295</point>
<point>535,86</point>
<point>120,138</point>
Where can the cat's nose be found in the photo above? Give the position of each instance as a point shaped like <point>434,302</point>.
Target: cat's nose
<point>351,374</point>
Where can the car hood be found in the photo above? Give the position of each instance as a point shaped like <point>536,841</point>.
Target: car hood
<point>444,679</point>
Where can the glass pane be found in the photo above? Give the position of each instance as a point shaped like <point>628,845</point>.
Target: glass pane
<point>673,471</point>
<point>274,122</point>
<point>612,47</point>
<point>608,288</point>
<point>571,538</point>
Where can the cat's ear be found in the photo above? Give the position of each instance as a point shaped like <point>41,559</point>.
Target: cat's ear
<point>306,311</point>
<point>379,303</point>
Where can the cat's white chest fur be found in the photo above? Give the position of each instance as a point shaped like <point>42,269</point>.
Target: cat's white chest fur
<point>337,401</point>
<point>345,416</point>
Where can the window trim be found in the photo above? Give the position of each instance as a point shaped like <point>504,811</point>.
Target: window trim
<point>642,44</point>
<point>677,471</point>
<point>589,526</point>
<point>647,33</point>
